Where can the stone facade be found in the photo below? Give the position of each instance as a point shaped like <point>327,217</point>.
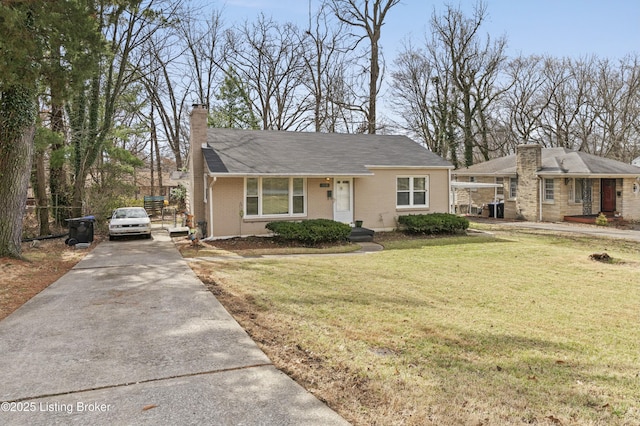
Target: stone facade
<point>528,162</point>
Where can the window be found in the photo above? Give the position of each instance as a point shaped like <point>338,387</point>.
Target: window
<point>513,188</point>
<point>274,196</point>
<point>251,207</point>
<point>500,189</point>
<point>412,191</point>
<point>578,189</point>
<point>548,190</point>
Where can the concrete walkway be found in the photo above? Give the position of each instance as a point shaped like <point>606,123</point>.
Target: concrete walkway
<point>131,336</point>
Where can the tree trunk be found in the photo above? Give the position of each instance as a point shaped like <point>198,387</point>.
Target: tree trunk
<point>158,162</point>
<point>17,131</point>
<point>152,146</point>
<point>58,185</point>
<point>39,188</point>
<point>373,85</point>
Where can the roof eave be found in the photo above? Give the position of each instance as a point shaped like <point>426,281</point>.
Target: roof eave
<point>497,174</point>
<point>276,174</point>
<point>409,167</point>
<point>588,175</point>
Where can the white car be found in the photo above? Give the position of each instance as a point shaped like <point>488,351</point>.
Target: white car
<point>129,221</point>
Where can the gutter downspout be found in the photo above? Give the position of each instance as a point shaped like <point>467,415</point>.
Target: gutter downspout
<point>450,195</point>
<point>210,189</point>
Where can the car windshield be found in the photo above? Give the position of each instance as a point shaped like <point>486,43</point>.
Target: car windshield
<point>129,213</point>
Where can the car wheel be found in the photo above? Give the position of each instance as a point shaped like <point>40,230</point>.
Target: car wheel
<point>111,238</point>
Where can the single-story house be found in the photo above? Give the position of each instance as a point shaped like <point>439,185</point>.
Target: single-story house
<point>554,184</point>
<point>242,179</point>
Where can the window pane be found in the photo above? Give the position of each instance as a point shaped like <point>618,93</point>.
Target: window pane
<point>578,184</point>
<point>500,190</point>
<point>252,186</point>
<point>252,206</point>
<point>548,189</point>
<point>298,204</point>
<point>419,198</point>
<point>418,184</point>
<point>275,196</point>
<point>403,199</point>
<point>298,186</point>
<point>403,184</point>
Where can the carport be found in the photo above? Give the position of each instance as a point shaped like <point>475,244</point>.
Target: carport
<point>471,186</point>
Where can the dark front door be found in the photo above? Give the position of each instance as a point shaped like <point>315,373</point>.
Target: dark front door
<point>608,195</point>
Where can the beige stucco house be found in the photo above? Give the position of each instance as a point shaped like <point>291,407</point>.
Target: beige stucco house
<point>243,179</point>
<point>553,184</point>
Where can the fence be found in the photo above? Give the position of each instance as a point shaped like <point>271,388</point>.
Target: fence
<point>153,203</point>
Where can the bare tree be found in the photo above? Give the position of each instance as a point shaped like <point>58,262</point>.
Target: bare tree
<point>528,98</point>
<point>617,108</point>
<point>162,84</point>
<point>413,85</point>
<point>324,56</point>
<point>267,57</point>
<point>367,16</point>
<point>474,64</point>
<point>567,95</point>
<point>203,54</point>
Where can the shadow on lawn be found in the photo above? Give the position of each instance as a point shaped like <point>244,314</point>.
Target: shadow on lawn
<point>413,242</point>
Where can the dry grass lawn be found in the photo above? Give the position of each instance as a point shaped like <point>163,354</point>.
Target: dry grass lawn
<point>523,328</point>
<point>44,263</point>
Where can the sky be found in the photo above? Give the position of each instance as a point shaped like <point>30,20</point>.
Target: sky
<point>571,28</point>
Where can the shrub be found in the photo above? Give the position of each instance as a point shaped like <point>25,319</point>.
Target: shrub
<point>313,231</point>
<point>434,223</point>
<point>602,220</point>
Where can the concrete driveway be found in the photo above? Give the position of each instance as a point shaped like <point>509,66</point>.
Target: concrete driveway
<point>567,227</point>
<point>131,336</point>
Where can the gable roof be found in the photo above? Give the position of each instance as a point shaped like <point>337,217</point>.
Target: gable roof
<point>556,161</point>
<point>264,152</point>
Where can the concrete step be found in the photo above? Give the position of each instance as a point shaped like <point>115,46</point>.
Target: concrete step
<point>361,235</point>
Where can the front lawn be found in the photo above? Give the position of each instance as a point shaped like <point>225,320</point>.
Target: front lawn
<point>517,329</point>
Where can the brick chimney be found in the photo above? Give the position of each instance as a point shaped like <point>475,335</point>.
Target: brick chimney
<point>528,162</point>
<point>197,138</point>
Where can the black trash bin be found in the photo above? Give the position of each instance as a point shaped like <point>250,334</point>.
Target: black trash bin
<point>80,230</point>
<point>496,210</point>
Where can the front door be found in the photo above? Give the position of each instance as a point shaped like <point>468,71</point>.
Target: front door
<point>608,195</point>
<point>343,200</point>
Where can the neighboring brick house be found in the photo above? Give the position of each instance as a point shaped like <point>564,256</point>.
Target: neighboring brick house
<point>242,179</point>
<point>555,184</point>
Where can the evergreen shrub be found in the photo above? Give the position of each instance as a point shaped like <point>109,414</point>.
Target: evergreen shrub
<point>433,223</point>
<point>312,231</point>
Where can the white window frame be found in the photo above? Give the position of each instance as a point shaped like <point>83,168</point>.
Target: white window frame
<point>573,196</point>
<point>500,189</point>
<point>412,191</point>
<point>290,195</point>
<point>513,188</point>
<point>549,188</point>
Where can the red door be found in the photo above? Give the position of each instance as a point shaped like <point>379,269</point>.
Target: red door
<point>608,195</point>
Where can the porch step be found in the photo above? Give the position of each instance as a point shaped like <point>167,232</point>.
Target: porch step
<point>361,235</point>
<point>178,231</point>
<point>591,219</point>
